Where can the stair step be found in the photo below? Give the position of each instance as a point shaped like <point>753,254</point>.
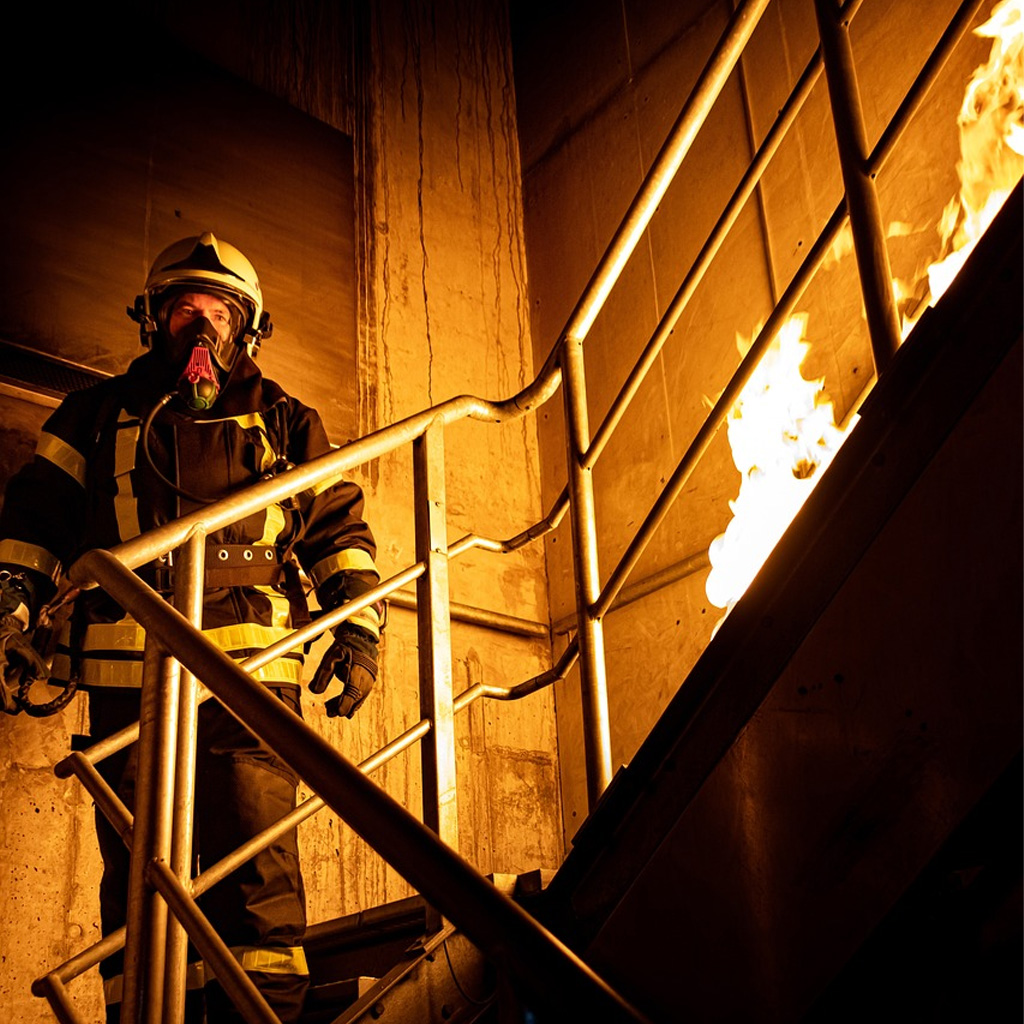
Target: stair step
<point>327,1001</point>
<point>382,962</point>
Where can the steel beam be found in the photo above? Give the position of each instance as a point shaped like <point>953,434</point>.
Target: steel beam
<point>437,752</point>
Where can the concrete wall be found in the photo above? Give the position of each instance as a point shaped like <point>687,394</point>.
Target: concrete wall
<point>446,314</point>
<point>49,860</point>
<point>599,86</point>
<point>425,93</point>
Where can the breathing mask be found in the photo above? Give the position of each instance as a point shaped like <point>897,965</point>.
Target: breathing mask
<point>198,385</point>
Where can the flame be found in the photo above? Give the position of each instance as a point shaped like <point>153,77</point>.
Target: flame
<point>991,127</point>
<point>781,429</point>
<point>783,435</point>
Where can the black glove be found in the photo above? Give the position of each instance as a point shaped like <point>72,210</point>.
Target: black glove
<point>352,659</point>
<point>20,664</point>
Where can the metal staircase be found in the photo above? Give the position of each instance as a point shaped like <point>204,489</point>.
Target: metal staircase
<point>951,398</point>
<point>568,950</point>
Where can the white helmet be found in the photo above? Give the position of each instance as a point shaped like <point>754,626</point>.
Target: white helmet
<point>204,264</point>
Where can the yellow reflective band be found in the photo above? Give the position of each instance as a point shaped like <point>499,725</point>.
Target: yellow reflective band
<point>277,960</point>
<point>280,607</point>
<point>124,674</point>
<point>129,636</point>
<point>114,636</point>
<point>247,421</point>
<point>351,559</point>
<point>326,483</point>
<point>126,507</point>
<point>128,674</point>
<point>31,556</point>
<point>284,670</point>
<point>246,635</point>
<point>63,456</point>
<point>272,960</point>
<point>273,526</point>
<point>368,619</point>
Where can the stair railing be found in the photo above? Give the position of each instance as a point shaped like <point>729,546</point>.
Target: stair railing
<point>424,851</point>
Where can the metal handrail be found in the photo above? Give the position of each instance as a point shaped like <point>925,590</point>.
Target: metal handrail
<point>785,307</point>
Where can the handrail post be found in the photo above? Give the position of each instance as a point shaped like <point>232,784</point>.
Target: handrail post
<point>437,751</point>
<point>146,918</point>
<point>859,182</point>
<point>189,573</point>
<point>593,683</point>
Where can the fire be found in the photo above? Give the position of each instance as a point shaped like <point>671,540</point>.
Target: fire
<point>991,126</point>
<point>783,435</point>
<point>781,428</point>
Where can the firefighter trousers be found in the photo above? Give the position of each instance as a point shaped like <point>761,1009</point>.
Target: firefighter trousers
<point>259,910</point>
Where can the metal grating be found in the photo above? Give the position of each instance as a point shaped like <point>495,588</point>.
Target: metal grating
<point>44,374</point>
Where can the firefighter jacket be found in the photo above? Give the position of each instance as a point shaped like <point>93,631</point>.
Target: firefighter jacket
<point>92,485</point>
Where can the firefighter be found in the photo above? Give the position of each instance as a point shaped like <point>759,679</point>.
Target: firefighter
<point>191,421</point>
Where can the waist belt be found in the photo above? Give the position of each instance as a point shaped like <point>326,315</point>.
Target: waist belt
<point>229,565</point>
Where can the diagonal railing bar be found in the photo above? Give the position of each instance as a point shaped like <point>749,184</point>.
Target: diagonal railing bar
<point>58,977</point>
<point>691,119</point>
<point>666,327</point>
<point>214,951</point>
<point>542,527</point>
<point>549,970</point>
<point>876,160</point>
<point>52,988</point>
<point>957,28</point>
<point>113,808</point>
<point>553,675</point>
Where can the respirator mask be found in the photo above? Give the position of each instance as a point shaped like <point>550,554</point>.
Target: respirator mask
<point>199,385</point>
